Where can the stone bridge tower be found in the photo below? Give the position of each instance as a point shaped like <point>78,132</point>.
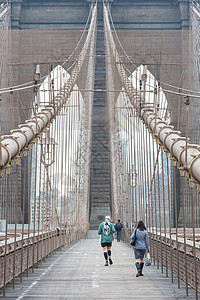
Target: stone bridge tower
<point>152,32</point>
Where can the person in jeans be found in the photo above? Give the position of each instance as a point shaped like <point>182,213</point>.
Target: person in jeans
<point>106,230</point>
<point>118,228</point>
<point>142,243</point>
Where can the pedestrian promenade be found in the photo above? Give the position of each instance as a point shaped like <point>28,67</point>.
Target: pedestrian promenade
<point>78,272</point>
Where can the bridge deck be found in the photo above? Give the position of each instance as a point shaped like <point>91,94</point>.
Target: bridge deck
<point>79,273</point>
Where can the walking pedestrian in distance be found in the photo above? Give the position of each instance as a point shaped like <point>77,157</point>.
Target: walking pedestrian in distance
<point>118,228</point>
<point>142,243</point>
<point>106,229</point>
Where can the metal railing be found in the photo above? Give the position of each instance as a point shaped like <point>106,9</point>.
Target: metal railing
<point>44,168</point>
<point>149,159</point>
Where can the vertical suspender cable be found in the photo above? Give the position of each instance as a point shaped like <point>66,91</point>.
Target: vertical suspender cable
<point>29,213</point>
<point>176,222</point>
<point>159,210</point>
<point>16,218</point>
<point>6,233</point>
<point>35,205</point>
<point>164,211</point>
<point>23,215</point>
<point>39,243</point>
<point>194,243</point>
<point>184,234</point>
<point>169,205</point>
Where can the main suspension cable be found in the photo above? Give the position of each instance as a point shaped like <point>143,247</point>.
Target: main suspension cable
<point>20,86</point>
<point>159,81</point>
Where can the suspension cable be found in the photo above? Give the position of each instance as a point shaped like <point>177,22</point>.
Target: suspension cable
<point>161,82</point>
<point>20,86</point>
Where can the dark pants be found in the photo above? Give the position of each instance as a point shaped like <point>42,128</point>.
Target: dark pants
<point>118,236</point>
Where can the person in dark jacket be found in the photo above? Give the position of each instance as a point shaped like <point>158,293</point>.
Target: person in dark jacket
<point>118,228</point>
<point>106,230</point>
<point>142,243</point>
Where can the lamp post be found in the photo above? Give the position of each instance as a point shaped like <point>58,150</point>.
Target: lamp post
<point>36,78</point>
<point>132,181</point>
<point>132,177</point>
<point>47,159</point>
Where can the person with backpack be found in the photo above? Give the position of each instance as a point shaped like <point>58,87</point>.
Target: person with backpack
<point>106,230</point>
<point>118,227</point>
<point>140,236</point>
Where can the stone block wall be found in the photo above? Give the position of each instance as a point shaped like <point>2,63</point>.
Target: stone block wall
<point>146,16</point>
<point>166,54</point>
<point>30,47</point>
<point>152,32</point>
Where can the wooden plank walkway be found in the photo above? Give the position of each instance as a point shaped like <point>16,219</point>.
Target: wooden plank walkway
<point>79,273</point>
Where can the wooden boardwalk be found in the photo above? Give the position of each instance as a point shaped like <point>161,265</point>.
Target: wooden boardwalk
<point>79,273</point>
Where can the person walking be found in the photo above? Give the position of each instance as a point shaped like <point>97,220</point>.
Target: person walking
<point>141,244</point>
<point>106,230</point>
<point>118,228</point>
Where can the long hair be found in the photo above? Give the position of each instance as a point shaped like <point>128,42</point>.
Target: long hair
<point>141,226</point>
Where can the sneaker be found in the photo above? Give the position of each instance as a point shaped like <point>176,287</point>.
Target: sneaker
<point>106,264</point>
<point>110,260</point>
